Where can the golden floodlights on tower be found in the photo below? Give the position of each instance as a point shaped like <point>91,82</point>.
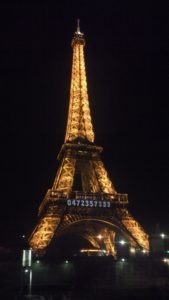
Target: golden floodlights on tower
<point>83,199</point>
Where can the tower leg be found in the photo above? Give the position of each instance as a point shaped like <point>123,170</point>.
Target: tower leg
<point>108,238</point>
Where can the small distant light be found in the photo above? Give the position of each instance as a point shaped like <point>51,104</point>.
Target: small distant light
<point>66,261</point>
<point>23,236</point>
<point>132,250</point>
<point>166,260</point>
<point>123,259</point>
<point>99,236</point>
<point>26,270</point>
<point>144,251</point>
<point>162,235</point>
<point>38,262</point>
<point>122,242</point>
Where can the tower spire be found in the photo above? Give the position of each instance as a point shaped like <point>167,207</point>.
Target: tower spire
<point>79,124</point>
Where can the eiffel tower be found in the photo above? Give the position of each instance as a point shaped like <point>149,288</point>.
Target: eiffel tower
<point>95,208</point>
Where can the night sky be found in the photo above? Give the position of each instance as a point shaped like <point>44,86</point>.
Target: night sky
<point>127,72</point>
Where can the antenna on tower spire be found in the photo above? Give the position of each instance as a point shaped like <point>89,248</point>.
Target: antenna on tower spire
<point>78,25</point>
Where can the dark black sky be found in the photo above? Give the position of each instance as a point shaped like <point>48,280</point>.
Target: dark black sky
<point>127,70</point>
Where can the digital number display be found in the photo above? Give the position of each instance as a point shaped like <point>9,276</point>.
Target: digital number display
<point>88,203</point>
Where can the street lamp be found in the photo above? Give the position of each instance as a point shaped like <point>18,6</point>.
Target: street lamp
<point>27,268</point>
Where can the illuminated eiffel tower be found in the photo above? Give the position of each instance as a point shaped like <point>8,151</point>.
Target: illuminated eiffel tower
<point>96,208</point>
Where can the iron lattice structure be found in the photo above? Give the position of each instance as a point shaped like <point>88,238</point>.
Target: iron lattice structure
<point>96,208</point>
